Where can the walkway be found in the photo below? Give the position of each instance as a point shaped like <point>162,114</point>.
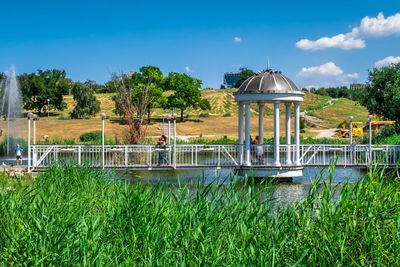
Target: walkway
<point>213,156</point>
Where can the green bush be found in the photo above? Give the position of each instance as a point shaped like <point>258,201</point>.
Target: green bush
<point>204,115</point>
<point>94,136</point>
<point>64,117</point>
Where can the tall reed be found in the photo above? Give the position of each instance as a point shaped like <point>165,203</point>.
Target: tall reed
<point>78,216</point>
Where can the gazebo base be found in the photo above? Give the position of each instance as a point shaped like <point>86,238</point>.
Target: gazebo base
<point>283,173</point>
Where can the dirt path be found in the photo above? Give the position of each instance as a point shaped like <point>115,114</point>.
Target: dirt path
<point>326,133</point>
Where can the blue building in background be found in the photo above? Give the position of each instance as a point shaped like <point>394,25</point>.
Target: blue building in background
<point>231,79</point>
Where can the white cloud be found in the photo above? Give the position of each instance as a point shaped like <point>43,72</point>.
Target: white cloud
<point>387,61</point>
<point>327,69</point>
<point>188,69</point>
<point>237,39</point>
<point>341,41</point>
<point>378,26</point>
<point>327,74</point>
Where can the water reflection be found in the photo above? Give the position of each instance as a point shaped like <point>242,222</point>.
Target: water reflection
<point>281,193</point>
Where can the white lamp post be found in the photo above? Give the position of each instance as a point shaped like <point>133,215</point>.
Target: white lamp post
<point>351,129</point>
<point>29,140</point>
<point>35,118</point>
<point>370,137</point>
<point>48,107</point>
<point>174,116</point>
<point>103,117</point>
<point>169,129</point>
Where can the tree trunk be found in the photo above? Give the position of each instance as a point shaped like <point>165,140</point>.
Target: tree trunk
<point>182,114</point>
<point>148,115</point>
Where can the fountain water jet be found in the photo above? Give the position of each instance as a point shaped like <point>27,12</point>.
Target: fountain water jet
<point>11,107</point>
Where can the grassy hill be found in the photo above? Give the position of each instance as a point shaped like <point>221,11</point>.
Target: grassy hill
<point>219,121</point>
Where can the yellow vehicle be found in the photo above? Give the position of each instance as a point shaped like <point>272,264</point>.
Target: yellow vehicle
<point>357,130</point>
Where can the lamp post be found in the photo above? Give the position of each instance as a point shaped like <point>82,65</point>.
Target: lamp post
<point>169,129</point>
<point>103,117</point>
<point>351,129</point>
<point>351,137</point>
<point>29,140</point>
<point>35,118</point>
<point>48,107</point>
<point>174,116</point>
<point>370,136</point>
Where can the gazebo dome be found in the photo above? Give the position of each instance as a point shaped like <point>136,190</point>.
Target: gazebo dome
<point>268,86</point>
<point>269,82</point>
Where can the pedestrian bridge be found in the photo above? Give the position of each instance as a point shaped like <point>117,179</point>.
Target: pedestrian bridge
<point>150,157</point>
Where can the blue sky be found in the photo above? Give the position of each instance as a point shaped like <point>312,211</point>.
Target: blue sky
<point>92,39</point>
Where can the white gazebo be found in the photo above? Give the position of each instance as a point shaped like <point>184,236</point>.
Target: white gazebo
<point>269,87</point>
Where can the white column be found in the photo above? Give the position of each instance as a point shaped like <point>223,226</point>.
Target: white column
<point>261,123</point>
<point>247,137</point>
<point>288,160</point>
<point>297,132</point>
<point>276,134</point>
<point>240,131</point>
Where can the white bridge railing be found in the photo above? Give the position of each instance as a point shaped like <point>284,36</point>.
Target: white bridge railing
<point>186,156</point>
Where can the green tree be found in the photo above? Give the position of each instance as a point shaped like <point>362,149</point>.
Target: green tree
<point>86,104</point>
<point>43,87</point>
<point>152,78</point>
<point>245,73</point>
<point>186,93</point>
<point>382,96</point>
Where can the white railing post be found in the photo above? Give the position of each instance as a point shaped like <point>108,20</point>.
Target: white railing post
<point>174,155</point>
<point>126,155</point>
<point>79,155</point>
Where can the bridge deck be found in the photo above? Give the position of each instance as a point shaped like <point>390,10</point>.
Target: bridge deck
<point>150,157</point>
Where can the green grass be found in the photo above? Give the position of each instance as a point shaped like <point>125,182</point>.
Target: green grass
<point>76,216</point>
<point>391,140</point>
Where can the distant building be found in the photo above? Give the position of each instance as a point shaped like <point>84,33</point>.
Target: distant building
<point>231,79</point>
<point>356,86</point>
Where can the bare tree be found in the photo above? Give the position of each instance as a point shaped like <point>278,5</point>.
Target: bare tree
<point>132,101</point>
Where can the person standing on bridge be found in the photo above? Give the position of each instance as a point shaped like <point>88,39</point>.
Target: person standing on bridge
<point>162,145</point>
<point>18,153</point>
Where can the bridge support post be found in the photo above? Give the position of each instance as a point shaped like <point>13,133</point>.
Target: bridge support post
<point>297,132</point>
<point>288,160</point>
<point>240,131</point>
<point>276,134</point>
<point>247,137</point>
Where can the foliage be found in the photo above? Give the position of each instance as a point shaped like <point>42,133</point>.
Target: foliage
<point>13,141</point>
<point>86,104</point>
<point>187,93</point>
<point>93,136</point>
<point>132,101</point>
<point>152,78</point>
<point>386,133</point>
<point>245,73</point>
<point>339,92</point>
<point>77,216</point>
<point>383,95</point>
<point>39,87</point>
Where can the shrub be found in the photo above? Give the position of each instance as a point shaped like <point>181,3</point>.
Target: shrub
<point>64,117</point>
<point>204,115</point>
<point>94,136</point>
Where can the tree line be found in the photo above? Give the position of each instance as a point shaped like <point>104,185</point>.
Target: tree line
<point>44,89</point>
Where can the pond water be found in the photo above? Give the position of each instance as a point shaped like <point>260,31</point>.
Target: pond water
<point>282,193</point>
